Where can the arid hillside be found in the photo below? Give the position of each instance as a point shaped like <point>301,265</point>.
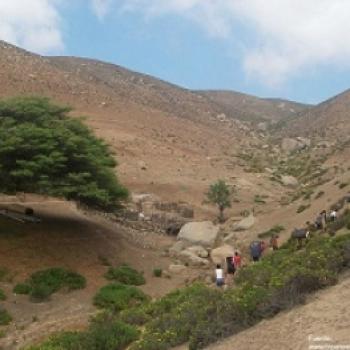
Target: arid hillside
<point>251,108</point>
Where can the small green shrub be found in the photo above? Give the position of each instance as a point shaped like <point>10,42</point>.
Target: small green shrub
<point>22,288</point>
<point>5,317</point>
<point>302,207</point>
<point>319,194</point>
<point>117,297</point>
<point>135,316</point>
<point>2,295</point>
<point>4,272</point>
<point>157,272</point>
<point>126,275</point>
<point>114,335</point>
<point>259,199</point>
<point>40,292</point>
<point>42,284</point>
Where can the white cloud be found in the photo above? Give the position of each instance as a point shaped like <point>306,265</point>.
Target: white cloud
<point>101,7</point>
<point>290,36</point>
<point>31,24</point>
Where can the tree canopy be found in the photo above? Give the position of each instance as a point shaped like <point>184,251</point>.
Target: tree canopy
<point>44,151</point>
<point>219,194</point>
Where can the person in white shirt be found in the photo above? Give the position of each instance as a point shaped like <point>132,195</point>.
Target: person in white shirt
<point>219,273</point>
<point>333,215</point>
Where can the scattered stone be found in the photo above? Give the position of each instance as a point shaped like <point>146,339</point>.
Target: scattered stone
<point>245,224</point>
<point>177,248</point>
<point>192,259</point>
<point>198,250</point>
<point>177,268</point>
<point>289,181</point>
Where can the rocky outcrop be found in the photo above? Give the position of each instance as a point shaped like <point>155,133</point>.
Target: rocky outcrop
<point>297,144</point>
<point>245,224</point>
<point>203,233</point>
<point>198,250</point>
<point>192,259</point>
<point>218,255</point>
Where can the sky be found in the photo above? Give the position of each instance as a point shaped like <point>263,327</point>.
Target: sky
<point>292,49</point>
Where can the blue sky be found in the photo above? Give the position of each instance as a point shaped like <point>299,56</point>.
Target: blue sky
<point>291,49</point>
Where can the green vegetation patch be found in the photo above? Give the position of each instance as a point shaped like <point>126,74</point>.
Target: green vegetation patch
<point>42,284</point>
<point>5,317</point>
<point>302,207</point>
<point>201,315</point>
<point>157,272</point>
<point>281,280</point>
<point>2,295</point>
<point>113,335</point>
<point>48,152</point>
<point>125,275</point>
<point>117,297</point>
<point>22,288</point>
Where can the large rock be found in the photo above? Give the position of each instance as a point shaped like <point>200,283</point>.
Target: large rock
<point>202,233</point>
<point>291,145</point>
<point>198,250</point>
<point>289,181</point>
<point>245,224</point>
<point>192,259</point>
<point>218,255</point>
<point>176,248</point>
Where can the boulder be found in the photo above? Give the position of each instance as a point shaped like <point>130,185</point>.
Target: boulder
<point>202,233</point>
<point>289,181</point>
<point>175,249</point>
<point>192,259</point>
<point>245,224</point>
<point>218,255</point>
<point>291,145</point>
<point>176,268</point>
<point>198,250</point>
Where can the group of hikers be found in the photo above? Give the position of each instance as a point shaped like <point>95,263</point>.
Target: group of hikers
<point>259,246</point>
<point>233,263</point>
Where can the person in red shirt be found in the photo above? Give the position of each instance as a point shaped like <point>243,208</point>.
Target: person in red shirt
<point>237,260</point>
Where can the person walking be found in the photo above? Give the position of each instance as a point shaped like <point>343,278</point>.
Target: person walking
<point>237,260</point>
<point>333,215</point>
<point>219,274</point>
<point>256,249</point>
<point>274,242</point>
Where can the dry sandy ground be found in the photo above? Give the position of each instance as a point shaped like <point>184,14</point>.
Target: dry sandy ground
<point>323,321</point>
<point>68,238</point>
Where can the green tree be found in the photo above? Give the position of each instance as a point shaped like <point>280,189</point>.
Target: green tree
<point>219,194</point>
<point>43,150</point>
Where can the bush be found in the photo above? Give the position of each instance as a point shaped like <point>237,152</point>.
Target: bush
<point>319,194</point>
<point>42,284</point>
<point>2,295</point>
<point>5,317</point>
<point>117,297</point>
<point>135,316</point>
<point>100,336</point>
<point>342,185</point>
<point>22,288</point>
<point>302,207</point>
<point>126,275</point>
<point>201,315</point>
<point>157,272</point>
